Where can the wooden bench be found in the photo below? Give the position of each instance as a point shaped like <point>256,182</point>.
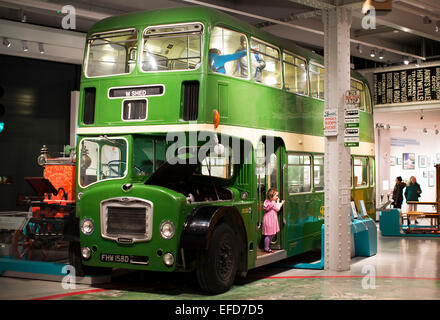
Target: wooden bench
<point>433,216</point>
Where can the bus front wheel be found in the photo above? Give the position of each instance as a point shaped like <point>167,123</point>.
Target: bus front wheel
<point>217,265</point>
<point>80,269</point>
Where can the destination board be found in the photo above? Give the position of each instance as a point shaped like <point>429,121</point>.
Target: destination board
<point>404,86</point>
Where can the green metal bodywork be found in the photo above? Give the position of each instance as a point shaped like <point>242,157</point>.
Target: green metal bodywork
<point>241,103</point>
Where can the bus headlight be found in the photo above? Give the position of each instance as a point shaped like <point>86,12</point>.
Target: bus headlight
<point>86,253</point>
<point>87,226</point>
<point>167,229</point>
<point>168,259</point>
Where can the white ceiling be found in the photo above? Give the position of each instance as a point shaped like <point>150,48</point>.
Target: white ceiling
<point>410,118</point>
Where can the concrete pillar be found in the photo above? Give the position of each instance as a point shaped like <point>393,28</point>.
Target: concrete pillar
<point>383,151</point>
<point>337,173</point>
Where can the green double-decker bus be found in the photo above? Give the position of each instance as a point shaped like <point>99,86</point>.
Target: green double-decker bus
<point>187,118</point>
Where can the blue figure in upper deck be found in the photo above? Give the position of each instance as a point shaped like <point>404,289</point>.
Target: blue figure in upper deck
<point>217,60</point>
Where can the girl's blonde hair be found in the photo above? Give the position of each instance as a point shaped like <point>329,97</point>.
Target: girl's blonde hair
<point>271,193</point>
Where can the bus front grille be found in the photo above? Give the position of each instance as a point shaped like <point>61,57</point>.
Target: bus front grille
<point>130,219</point>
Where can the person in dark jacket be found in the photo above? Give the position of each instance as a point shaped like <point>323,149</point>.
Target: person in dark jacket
<point>412,193</point>
<point>398,193</point>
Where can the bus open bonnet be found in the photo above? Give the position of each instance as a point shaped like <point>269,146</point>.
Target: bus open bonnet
<point>184,174</point>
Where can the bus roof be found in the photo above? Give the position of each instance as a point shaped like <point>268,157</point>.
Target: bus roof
<point>205,15</point>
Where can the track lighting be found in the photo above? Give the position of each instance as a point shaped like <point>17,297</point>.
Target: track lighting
<point>23,16</point>
<point>24,45</point>
<point>381,56</point>
<point>404,128</point>
<point>41,47</point>
<point>6,42</point>
<point>388,127</point>
<point>406,61</point>
<point>436,131</point>
<point>425,130</point>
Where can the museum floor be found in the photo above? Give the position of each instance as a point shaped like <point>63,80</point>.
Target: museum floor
<point>404,268</point>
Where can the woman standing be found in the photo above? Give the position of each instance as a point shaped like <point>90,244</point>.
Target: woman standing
<point>412,193</point>
<point>398,193</point>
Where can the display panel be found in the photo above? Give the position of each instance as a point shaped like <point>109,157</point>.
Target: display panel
<point>415,85</point>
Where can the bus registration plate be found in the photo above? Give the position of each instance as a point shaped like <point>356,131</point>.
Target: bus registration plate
<point>105,257</point>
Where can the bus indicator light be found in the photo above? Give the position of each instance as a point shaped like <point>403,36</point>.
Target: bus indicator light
<point>216,118</point>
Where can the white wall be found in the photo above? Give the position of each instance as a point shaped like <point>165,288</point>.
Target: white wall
<point>429,145</point>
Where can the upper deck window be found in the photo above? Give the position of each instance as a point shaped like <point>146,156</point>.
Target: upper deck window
<point>317,81</point>
<point>295,74</point>
<point>172,47</point>
<point>111,53</point>
<point>266,66</point>
<point>228,53</point>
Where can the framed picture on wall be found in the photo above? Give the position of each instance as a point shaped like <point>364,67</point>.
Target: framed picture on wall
<point>425,174</point>
<point>399,161</point>
<point>422,162</point>
<point>392,161</point>
<point>431,179</point>
<point>409,161</point>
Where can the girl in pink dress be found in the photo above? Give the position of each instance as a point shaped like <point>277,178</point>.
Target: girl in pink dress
<point>271,207</point>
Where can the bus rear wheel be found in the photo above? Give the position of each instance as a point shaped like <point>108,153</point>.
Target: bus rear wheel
<point>217,265</point>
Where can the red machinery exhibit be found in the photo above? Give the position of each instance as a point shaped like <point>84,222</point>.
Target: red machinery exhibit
<point>49,211</point>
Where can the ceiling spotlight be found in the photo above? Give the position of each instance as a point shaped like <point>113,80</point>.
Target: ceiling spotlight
<point>23,16</point>
<point>359,48</point>
<point>421,114</point>
<point>381,55</point>
<point>418,62</point>
<point>6,42</point>
<point>372,53</point>
<point>425,130</point>
<point>388,127</point>
<point>406,61</point>
<point>24,45</point>
<point>41,47</point>
<point>404,128</point>
<point>436,131</point>
<point>437,26</point>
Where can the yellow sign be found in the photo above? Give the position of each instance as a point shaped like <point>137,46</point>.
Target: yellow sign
<point>321,210</point>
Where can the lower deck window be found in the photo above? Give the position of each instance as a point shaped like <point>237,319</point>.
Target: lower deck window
<point>360,173</point>
<point>299,173</point>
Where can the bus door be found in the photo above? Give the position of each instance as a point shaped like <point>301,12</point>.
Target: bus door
<point>270,164</point>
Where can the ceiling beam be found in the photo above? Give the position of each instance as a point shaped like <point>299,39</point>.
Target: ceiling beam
<point>378,30</point>
<point>404,21</point>
<point>51,8</point>
<point>59,45</point>
<point>314,4</point>
<point>302,28</point>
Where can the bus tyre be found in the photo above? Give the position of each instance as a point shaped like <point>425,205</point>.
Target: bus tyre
<point>217,265</point>
<point>75,261</point>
